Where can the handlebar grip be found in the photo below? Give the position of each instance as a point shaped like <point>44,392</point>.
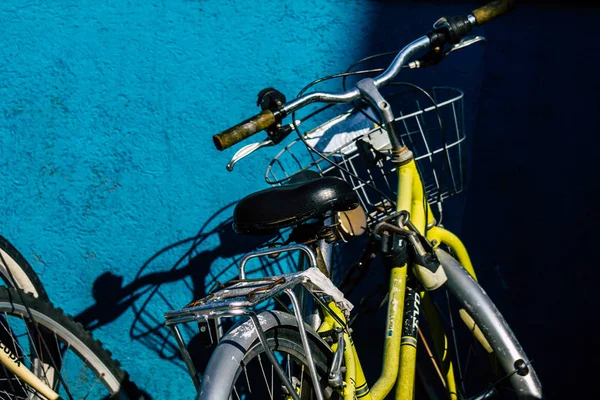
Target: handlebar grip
<point>492,10</point>
<point>244,130</point>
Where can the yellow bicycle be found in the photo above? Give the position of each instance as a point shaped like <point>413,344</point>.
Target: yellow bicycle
<point>371,170</point>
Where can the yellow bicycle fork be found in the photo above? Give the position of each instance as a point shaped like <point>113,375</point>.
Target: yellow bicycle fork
<point>400,349</point>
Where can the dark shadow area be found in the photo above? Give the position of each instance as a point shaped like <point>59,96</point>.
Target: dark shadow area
<point>534,179</point>
<point>528,214</point>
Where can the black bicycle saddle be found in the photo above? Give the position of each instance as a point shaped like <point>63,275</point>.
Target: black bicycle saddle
<point>279,207</point>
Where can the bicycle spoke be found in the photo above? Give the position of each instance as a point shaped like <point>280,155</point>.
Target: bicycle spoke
<point>272,369</point>
<point>10,383</point>
<point>60,357</point>
<point>497,383</point>
<point>468,358</point>
<point>96,381</point>
<point>301,377</point>
<point>431,357</point>
<point>270,390</point>
<point>8,395</point>
<point>247,380</point>
<point>37,361</point>
<point>10,332</point>
<point>453,329</point>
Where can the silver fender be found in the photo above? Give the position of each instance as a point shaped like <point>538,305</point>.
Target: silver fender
<point>227,356</point>
<point>492,324</point>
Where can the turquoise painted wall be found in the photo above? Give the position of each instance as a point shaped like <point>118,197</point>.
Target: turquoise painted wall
<point>108,112</point>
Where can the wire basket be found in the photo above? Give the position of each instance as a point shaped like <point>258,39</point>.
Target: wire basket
<point>358,145</point>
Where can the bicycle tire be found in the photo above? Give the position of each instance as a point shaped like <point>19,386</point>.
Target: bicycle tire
<point>285,341</point>
<point>21,273</point>
<point>72,346</point>
<point>480,365</point>
<point>461,349</point>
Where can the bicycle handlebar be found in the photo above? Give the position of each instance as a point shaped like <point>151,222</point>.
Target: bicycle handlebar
<point>492,10</point>
<point>267,118</point>
<point>244,130</point>
<point>420,44</point>
<point>451,32</point>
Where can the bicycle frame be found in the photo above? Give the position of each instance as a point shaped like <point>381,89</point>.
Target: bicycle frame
<point>412,199</point>
<point>400,346</point>
<point>14,365</point>
<point>399,356</point>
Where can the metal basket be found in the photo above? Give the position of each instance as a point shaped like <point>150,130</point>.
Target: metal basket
<point>357,144</point>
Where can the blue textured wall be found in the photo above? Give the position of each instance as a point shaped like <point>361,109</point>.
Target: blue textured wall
<point>108,112</point>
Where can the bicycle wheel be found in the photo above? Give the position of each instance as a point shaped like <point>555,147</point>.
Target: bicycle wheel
<point>255,377</point>
<point>475,369</point>
<point>16,272</point>
<point>487,360</point>
<point>57,350</point>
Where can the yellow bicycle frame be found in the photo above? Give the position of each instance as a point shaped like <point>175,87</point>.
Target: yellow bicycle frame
<point>399,356</point>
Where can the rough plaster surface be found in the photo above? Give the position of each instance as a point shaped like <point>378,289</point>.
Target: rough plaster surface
<point>108,112</point>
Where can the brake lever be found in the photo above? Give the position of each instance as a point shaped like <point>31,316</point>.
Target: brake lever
<point>435,56</point>
<point>246,151</point>
<point>465,42</point>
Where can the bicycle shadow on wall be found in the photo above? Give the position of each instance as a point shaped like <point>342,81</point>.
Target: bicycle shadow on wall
<point>173,277</point>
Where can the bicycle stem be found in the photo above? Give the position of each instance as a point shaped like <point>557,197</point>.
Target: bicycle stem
<point>368,89</point>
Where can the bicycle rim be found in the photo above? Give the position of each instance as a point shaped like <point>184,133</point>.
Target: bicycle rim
<point>16,272</point>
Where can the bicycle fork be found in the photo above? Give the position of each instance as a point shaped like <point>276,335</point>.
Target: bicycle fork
<point>485,314</point>
<point>400,348</point>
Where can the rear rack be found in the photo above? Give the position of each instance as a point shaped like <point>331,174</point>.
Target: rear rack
<point>238,297</point>
<point>241,297</point>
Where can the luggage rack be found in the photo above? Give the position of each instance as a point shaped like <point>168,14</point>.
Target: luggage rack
<point>240,297</point>
<point>237,298</point>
